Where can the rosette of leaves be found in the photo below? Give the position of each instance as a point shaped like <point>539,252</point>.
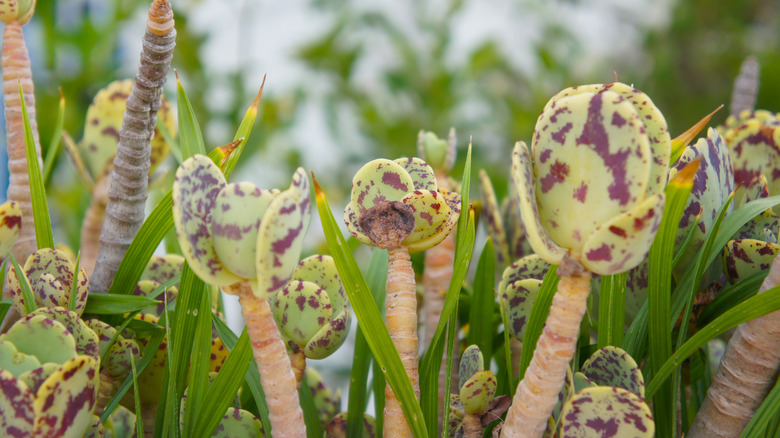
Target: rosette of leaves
<point>591,197</point>
<point>47,388</point>
<point>475,404</point>
<point>249,240</point>
<point>51,277</point>
<point>311,310</point>
<point>396,206</point>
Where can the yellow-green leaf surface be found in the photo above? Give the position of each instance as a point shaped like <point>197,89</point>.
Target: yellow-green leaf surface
<point>17,413</point>
<point>40,206</point>
<point>39,336</point>
<point>478,391</point>
<point>433,219</point>
<point>66,399</point>
<point>605,411</point>
<point>10,226</point>
<point>379,181</point>
<point>422,174</point>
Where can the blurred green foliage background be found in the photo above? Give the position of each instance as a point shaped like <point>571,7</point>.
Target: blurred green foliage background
<point>426,78</point>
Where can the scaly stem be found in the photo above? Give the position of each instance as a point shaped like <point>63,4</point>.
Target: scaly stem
<point>16,71</point>
<point>276,374</point>
<point>401,320</point>
<point>472,426</point>
<point>746,373</point>
<point>537,393</point>
<point>129,179</point>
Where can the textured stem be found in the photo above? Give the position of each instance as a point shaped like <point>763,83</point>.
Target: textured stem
<point>276,374</point>
<point>298,364</point>
<point>401,320</point>
<point>129,179</point>
<point>472,426</point>
<point>743,97</point>
<point>746,374</point>
<point>16,71</point>
<point>537,393</point>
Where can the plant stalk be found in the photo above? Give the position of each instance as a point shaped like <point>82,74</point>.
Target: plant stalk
<point>537,393</point>
<point>276,374</point>
<point>401,320</point>
<point>129,178</point>
<point>472,426</point>
<point>747,372</point>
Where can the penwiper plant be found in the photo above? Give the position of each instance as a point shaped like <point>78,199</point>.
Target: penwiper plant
<point>591,198</point>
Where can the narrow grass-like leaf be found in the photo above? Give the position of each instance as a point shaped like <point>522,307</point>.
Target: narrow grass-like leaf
<point>27,295</point>
<point>687,242</point>
<point>612,309</point>
<point>537,318</point>
<point>452,326</point>
<point>244,129</point>
<point>378,385</point>
<point>310,416</point>
<point>40,207</point>
<point>223,389</point>
<point>766,414</point>
<point>757,306</point>
<point>146,358</point>
<point>682,140</point>
<point>659,291</point>
<point>139,418</point>
<point>56,140</point>
<point>4,306</point>
<point>112,304</point>
<point>173,144</point>
<point>481,322</point>
<point>732,295</point>
<point>198,380</point>
<point>376,277</point>
<point>369,317</point>
<point>189,129</point>
<point>74,287</point>
<point>252,374</point>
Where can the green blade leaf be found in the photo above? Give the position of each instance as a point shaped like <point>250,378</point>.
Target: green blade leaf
<point>56,140</point>
<point>481,322</point>
<point>731,296</point>
<point>612,309</point>
<point>43,235</point>
<point>189,129</point>
<point>5,305</point>
<point>376,277</point>
<point>27,295</point>
<point>139,418</point>
<point>765,416</point>
<point>538,317</point>
<point>113,304</point>
<point>757,306</point>
<point>244,129</point>
<point>198,380</point>
<point>310,415</point>
<point>369,317</point>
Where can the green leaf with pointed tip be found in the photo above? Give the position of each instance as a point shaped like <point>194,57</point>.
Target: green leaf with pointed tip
<point>198,182</point>
<point>86,339</point>
<point>113,304</point>
<point>477,392</point>
<point>40,207</point>
<point>10,226</point>
<point>611,366</point>
<point>422,175</point>
<point>17,411</point>
<point>518,299</point>
<point>471,361</point>
<point>379,181</point>
<point>482,323</point>
<point>244,131</point>
<point>493,219</point>
<point>621,243</point>
<point>14,361</point>
<point>66,399</point>
<point>235,219</point>
<point>596,412</point>
<point>189,129</point>
<point>19,286</point>
<point>39,336</point>
<point>280,236</point>
<point>743,258</point>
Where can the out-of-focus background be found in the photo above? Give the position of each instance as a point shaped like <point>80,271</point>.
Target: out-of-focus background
<point>350,81</point>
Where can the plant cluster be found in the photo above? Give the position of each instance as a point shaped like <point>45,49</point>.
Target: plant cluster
<point>613,234</point>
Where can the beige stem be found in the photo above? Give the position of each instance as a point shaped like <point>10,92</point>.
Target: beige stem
<point>537,393</point>
<point>746,373</point>
<point>298,364</point>
<point>276,375</point>
<point>472,426</point>
<point>401,320</point>
<point>516,347</point>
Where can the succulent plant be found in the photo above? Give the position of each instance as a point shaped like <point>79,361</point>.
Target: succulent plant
<point>611,366</point>
<point>591,197</point>
<point>249,239</point>
<point>517,291</point>
<point>50,274</point>
<point>117,363</point>
<point>326,400</point>
<point>46,387</point>
<point>337,427</point>
<point>396,205</point>
<point>753,139</point>
<point>606,411</point>
<point>503,222</point>
<point>17,11</point>
<point>745,257</point>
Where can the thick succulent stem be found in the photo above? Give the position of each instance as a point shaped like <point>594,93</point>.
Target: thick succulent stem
<point>276,374</point>
<point>401,320</point>
<point>537,393</point>
<point>129,179</point>
<point>298,364</point>
<point>16,71</point>
<point>746,374</point>
<point>472,426</point>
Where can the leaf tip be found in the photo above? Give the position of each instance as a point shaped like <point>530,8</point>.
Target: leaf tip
<point>685,176</point>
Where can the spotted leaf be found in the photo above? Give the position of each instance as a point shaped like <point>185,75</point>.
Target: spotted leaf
<point>422,174</point>
<point>605,411</point>
<point>238,423</point>
<point>762,227</point>
<point>66,399</point>
<point>330,337</point>
<point>235,219</point>
<point>219,355</point>
<point>379,181</point>
<point>10,226</point>
<point>19,11</point>
<point>513,224</point>
<point>622,242</point>
<point>531,266</point>
<point>754,144</point>
<point>518,299</point>
<point>611,366</point>
<point>471,361</point>
<point>301,309</point>
<point>477,392</point>
<point>321,270</point>
<point>195,189</point>
<point>35,378</point>
<point>493,219</point>
<point>351,220</point>
<point>14,361</point>
<point>86,339</point>
<point>17,412</point>
<point>538,237</point>
<point>433,219</point>
<point>581,381</point>
<point>39,336</point>
<point>281,234</point>
<point>745,257</point>
<point>118,360</point>
<point>163,268</point>
<point>326,401</point>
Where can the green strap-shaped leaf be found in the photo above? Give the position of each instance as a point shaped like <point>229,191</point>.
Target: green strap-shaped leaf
<point>281,234</point>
